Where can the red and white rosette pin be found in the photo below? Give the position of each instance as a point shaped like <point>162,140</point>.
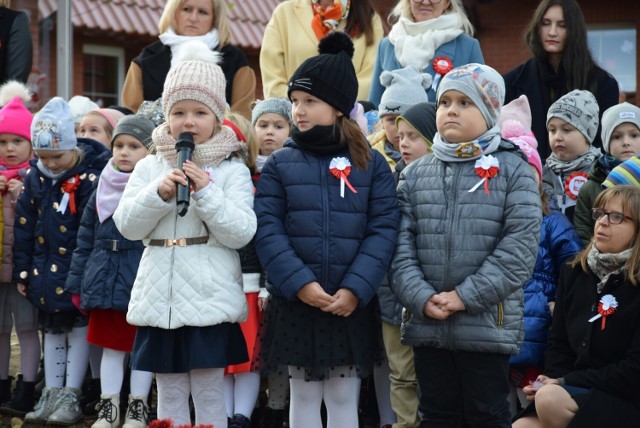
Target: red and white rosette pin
<point>486,167</point>
<point>441,65</point>
<point>574,182</point>
<point>341,168</point>
<point>69,188</point>
<point>607,307</point>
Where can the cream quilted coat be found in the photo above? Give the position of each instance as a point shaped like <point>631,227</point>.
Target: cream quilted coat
<point>196,285</point>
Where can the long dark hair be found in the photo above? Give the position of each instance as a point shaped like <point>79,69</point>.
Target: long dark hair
<point>352,136</point>
<point>579,66</point>
<point>360,19</point>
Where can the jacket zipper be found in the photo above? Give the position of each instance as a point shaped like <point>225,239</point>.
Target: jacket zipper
<point>325,225</point>
<point>451,218</point>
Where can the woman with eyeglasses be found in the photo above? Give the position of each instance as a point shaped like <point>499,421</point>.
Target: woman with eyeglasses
<point>562,62</point>
<point>592,361</point>
<point>434,36</point>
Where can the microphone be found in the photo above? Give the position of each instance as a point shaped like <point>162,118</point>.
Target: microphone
<point>185,147</point>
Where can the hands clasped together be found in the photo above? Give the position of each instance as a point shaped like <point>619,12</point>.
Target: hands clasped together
<point>13,186</point>
<point>199,180</point>
<point>440,306</point>
<point>342,303</point>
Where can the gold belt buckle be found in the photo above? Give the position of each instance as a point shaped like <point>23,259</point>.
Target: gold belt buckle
<point>180,242</point>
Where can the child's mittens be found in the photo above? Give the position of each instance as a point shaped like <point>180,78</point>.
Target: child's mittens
<point>75,299</point>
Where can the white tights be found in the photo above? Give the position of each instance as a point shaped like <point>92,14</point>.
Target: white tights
<point>66,357</point>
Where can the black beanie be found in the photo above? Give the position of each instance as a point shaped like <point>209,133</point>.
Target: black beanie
<point>422,118</point>
<point>330,75</point>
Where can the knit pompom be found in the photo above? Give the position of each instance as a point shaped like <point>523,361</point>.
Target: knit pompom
<point>386,77</point>
<point>336,42</point>
<point>512,128</point>
<point>427,80</point>
<point>13,89</point>
<point>194,50</point>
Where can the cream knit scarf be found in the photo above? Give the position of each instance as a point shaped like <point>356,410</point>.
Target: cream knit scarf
<point>210,153</point>
<point>416,43</point>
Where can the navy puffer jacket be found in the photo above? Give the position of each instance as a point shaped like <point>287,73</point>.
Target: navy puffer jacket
<point>104,263</point>
<point>46,238</point>
<point>559,241</point>
<point>307,232</point>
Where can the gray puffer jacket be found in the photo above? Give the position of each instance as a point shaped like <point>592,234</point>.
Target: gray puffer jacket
<point>482,245</point>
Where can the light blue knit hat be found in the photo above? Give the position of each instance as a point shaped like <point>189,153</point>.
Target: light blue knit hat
<point>53,128</point>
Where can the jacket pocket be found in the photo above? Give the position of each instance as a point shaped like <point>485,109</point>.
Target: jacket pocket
<point>500,315</point>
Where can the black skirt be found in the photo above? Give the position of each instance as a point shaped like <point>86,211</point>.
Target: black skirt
<point>296,334</point>
<point>61,322</point>
<point>184,349</point>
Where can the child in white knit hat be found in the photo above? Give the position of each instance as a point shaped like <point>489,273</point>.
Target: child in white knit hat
<point>470,217</point>
<point>187,299</point>
<point>621,142</point>
<point>572,123</point>
<point>56,191</point>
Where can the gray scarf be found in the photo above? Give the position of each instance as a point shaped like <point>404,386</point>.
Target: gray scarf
<point>485,144</point>
<point>606,264</point>
<point>581,162</point>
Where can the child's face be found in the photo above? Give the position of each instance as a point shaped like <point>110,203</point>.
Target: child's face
<point>272,131</point>
<point>57,160</point>
<point>14,149</point>
<point>566,142</point>
<point>94,126</point>
<point>193,117</point>
<point>309,111</point>
<point>127,151</point>
<point>389,125</point>
<point>412,145</point>
<point>625,141</point>
<point>458,119</point>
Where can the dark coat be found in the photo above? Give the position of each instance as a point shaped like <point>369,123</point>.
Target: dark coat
<point>526,79</point>
<point>558,242</point>
<point>583,353</point>
<point>45,238</point>
<point>104,263</point>
<point>15,46</point>
<point>307,232</point>
<point>155,62</point>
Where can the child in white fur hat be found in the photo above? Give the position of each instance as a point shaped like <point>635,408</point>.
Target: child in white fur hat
<point>187,298</point>
<point>470,217</point>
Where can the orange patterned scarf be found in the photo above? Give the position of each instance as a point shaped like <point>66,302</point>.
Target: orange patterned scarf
<point>326,19</point>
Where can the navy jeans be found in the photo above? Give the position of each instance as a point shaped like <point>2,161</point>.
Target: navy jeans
<point>462,386</point>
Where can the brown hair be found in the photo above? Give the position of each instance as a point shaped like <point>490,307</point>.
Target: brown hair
<point>244,125</point>
<point>359,21</point>
<point>351,135</point>
<point>220,20</point>
<point>577,61</point>
<point>629,197</point>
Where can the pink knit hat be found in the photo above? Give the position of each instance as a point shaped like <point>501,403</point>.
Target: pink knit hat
<point>112,115</point>
<point>195,75</point>
<point>515,125</point>
<point>16,119</point>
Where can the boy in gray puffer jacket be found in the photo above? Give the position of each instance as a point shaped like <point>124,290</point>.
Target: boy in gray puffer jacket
<point>468,240</point>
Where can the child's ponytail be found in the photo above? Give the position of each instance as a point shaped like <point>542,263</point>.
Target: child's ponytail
<point>352,136</point>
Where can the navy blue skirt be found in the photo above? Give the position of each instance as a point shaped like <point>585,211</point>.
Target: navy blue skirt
<point>184,349</point>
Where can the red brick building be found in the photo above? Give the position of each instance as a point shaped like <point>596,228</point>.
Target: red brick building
<point>109,33</point>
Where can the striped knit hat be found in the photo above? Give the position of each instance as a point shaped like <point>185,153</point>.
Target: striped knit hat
<point>628,172</point>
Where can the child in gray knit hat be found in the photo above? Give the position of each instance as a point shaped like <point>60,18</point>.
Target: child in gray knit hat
<point>470,216</point>
<point>572,123</point>
<point>405,88</point>
<point>271,119</point>
<point>620,141</point>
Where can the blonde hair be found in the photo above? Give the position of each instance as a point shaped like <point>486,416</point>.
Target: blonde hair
<point>220,19</point>
<point>403,9</point>
<point>247,129</point>
<point>629,197</point>
<point>107,126</point>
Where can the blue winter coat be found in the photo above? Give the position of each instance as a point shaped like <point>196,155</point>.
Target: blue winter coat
<point>45,238</point>
<point>462,50</point>
<point>307,232</point>
<point>559,241</point>
<point>104,263</point>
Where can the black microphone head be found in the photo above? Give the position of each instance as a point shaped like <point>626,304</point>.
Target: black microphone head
<point>185,141</point>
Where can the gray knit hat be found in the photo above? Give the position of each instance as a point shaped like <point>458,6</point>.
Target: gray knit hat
<point>137,126</point>
<point>617,115</point>
<point>482,84</point>
<point>404,88</point>
<point>580,109</point>
<point>281,106</point>
<point>53,128</point>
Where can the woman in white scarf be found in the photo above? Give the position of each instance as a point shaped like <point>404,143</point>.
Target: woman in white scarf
<point>423,31</point>
<point>184,20</point>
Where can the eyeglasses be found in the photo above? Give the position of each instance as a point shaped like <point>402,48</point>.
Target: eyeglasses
<point>614,216</point>
<point>427,1</point>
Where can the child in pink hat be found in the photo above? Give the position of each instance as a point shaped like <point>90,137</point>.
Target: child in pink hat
<point>99,125</point>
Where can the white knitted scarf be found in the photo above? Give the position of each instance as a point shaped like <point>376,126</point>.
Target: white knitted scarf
<point>415,43</point>
<point>171,39</point>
